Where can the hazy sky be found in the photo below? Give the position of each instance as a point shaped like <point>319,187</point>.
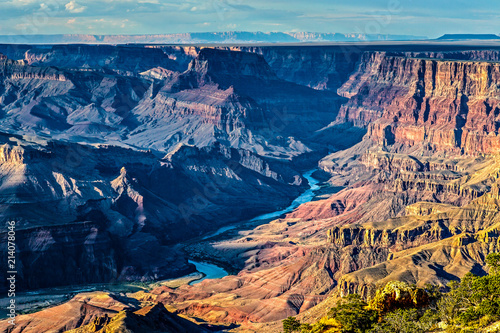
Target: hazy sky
<point>423,17</point>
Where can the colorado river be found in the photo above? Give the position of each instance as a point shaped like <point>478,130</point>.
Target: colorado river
<point>209,270</point>
<point>214,272</point>
<point>303,198</point>
<point>49,297</point>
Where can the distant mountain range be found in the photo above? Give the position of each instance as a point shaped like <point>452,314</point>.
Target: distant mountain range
<point>469,37</point>
<point>228,37</point>
<point>205,37</point>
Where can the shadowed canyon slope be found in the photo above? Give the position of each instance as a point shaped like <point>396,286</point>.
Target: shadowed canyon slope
<point>408,154</point>
<point>231,97</point>
<point>115,207</point>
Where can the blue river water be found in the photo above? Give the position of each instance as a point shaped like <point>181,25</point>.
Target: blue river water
<point>303,198</point>
<point>212,271</point>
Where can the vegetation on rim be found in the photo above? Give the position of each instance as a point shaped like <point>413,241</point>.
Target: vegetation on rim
<point>470,305</point>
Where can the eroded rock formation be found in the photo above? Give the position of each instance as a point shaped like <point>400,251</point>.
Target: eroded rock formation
<point>451,105</point>
<point>113,214</point>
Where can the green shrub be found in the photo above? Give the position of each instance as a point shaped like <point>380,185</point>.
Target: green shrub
<point>493,260</point>
<point>291,324</point>
<point>471,304</point>
<point>353,315</point>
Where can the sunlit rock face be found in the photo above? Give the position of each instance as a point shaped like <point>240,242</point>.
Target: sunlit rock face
<point>451,105</point>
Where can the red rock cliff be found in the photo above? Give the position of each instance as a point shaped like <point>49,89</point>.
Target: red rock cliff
<point>452,105</point>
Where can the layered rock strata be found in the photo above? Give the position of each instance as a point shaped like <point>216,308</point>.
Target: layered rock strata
<point>449,105</point>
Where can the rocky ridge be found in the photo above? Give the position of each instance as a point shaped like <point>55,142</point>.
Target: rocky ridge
<point>112,201</point>
<point>104,312</point>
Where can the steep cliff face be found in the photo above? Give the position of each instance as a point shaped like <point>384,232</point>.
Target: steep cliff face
<point>120,59</point>
<point>17,69</point>
<point>451,105</point>
<point>14,51</point>
<point>120,211</point>
<point>467,55</point>
<point>212,63</point>
<point>236,98</point>
<point>322,68</point>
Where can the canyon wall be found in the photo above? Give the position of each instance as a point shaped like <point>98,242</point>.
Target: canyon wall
<point>125,95</point>
<point>102,214</point>
<point>449,105</point>
<point>322,68</point>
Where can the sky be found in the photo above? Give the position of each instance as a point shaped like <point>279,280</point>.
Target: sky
<point>431,18</point>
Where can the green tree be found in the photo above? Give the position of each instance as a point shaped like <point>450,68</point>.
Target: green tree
<point>405,321</point>
<point>291,324</point>
<point>305,327</point>
<point>493,260</point>
<point>353,314</point>
<point>474,301</point>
